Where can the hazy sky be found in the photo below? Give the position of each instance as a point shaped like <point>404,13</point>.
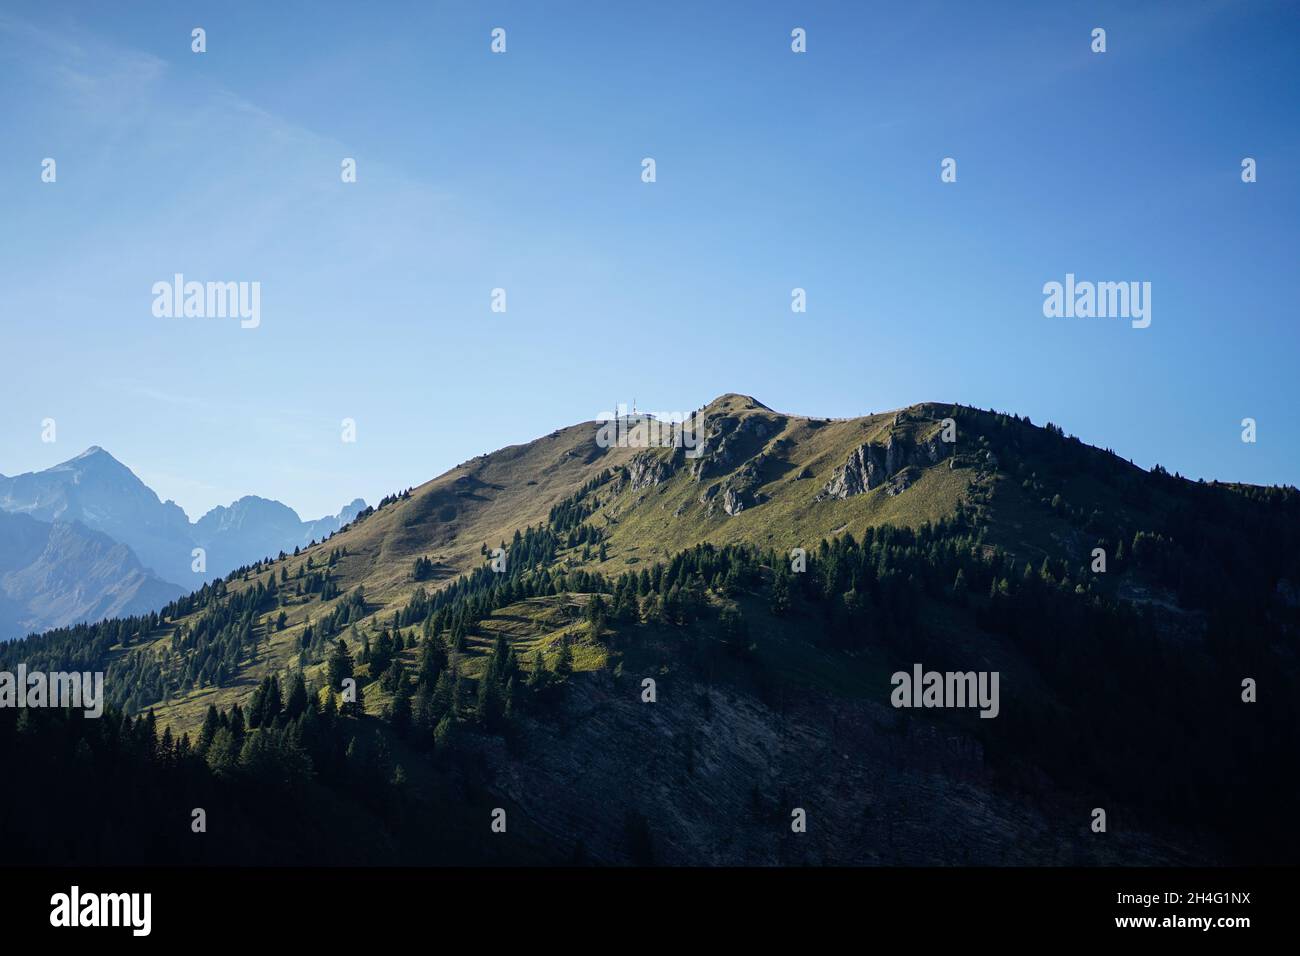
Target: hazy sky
<point>523,171</point>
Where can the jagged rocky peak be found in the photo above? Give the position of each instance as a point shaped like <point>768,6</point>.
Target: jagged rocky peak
<point>728,440</point>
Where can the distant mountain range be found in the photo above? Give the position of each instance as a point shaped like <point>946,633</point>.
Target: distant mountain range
<point>255,527</point>
<point>87,538</point>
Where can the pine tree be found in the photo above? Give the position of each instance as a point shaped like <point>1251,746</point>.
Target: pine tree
<point>511,694</point>
<point>596,613</point>
<point>223,754</point>
<point>537,673</point>
<point>444,735</point>
<point>423,716</point>
<point>211,723</point>
<point>401,710</point>
<point>433,659</point>
<point>296,704</point>
<point>490,707</point>
<point>959,584</point>
<point>564,658</point>
<point>444,694</point>
<point>356,707</point>
<point>652,609</point>
<point>340,665</point>
<point>780,596</point>
<point>674,612</point>
<point>237,725</point>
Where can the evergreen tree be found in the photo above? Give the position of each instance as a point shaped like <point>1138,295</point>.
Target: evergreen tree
<point>211,723</point>
<point>222,754</point>
<point>296,703</point>
<point>400,714</point>
<point>423,716</point>
<point>537,673</point>
<point>444,735</point>
<point>357,706</point>
<point>564,657</point>
<point>340,665</point>
<point>780,603</point>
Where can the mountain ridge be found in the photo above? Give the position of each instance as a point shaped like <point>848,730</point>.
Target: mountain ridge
<point>454,519</point>
<point>770,584</point>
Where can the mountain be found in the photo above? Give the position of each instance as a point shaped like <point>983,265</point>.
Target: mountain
<point>322,528</point>
<point>101,493</point>
<point>254,527</point>
<point>60,573</point>
<point>668,653</point>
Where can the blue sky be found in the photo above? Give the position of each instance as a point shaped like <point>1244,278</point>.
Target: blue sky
<point>523,171</point>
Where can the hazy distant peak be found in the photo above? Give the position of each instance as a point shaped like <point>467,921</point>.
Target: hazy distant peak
<point>94,456</point>
<point>255,503</point>
<point>106,496</point>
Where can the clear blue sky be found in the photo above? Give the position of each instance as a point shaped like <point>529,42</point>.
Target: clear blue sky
<point>522,171</point>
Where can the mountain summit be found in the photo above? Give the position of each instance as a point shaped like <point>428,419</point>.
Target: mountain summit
<point>97,492</point>
<point>94,488</point>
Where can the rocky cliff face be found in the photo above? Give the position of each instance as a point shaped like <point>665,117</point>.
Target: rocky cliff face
<point>649,468</point>
<point>872,465</point>
<point>729,441</point>
<point>739,453</point>
<point>739,491</point>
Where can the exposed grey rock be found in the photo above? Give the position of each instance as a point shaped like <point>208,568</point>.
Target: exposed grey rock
<point>870,466</point>
<point>863,471</point>
<point>733,503</point>
<point>728,441</point>
<point>737,492</point>
<point>647,469</point>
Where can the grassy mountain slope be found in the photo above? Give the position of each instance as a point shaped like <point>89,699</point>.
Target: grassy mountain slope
<point>485,500</point>
<point>950,536</point>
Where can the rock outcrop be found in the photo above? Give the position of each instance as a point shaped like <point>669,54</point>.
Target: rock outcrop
<point>870,466</point>
<point>737,492</point>
<point>649,468</point>
<point>728,441</point>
